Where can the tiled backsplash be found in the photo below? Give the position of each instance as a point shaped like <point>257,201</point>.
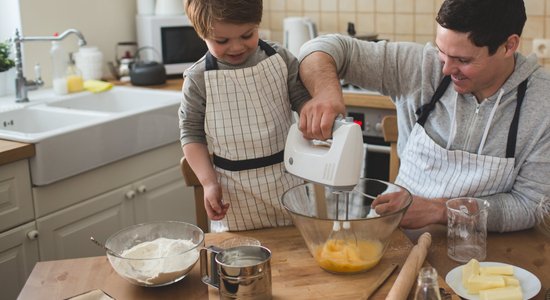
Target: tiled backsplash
<point>396,20</point>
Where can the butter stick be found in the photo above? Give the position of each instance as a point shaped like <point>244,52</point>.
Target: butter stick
<point>497,270</point>
<point>476,283</point>
<point>505,293</point>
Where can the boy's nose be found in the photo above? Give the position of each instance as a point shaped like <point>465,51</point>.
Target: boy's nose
<point>236,46</point>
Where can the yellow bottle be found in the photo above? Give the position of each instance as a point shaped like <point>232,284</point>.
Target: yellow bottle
<point>75,83</point>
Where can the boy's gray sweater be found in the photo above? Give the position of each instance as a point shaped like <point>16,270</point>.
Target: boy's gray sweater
<point>409,73</point>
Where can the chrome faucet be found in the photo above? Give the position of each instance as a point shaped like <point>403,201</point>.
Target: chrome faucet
<point>22,85</point>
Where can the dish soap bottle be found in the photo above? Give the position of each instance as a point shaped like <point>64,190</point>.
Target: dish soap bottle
<point>59,67</point>
<point>75,83</point>
<point>427,288</point>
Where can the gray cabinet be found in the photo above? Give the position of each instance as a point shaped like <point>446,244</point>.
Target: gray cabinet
<point>56,221</point>
<point>18,255</point>
<point>98,203</point>
<point>18,235</point>
<point>66,233</point>
<point>15,195</point>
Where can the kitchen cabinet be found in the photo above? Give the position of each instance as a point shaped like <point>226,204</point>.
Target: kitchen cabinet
<point>142,188</point>
<point>18,255</point>
<point>16,205</point>
<point>18,244</point>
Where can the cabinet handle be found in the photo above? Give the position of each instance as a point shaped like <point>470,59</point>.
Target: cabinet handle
<point>130,194</point>
<point>142,189</point>
<point>33,234</point>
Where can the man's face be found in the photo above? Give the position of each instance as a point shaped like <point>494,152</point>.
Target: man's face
<point>471,68</point>
<point>233,43</point>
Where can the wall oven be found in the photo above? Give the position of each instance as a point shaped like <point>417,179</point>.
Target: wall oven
<point>377,152</point>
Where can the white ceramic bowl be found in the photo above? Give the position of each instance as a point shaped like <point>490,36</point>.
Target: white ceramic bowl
<point>156,253</point>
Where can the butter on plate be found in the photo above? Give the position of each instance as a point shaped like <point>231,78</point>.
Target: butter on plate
<point>491,282</point>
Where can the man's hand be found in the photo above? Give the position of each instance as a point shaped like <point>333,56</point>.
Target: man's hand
<point>317,117</point>
<point>421,212</point>
<point>318,73</point>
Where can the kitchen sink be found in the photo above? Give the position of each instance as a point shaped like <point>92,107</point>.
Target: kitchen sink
<point>117,100</point>
<point>30,123</point>
<point>82,131</point>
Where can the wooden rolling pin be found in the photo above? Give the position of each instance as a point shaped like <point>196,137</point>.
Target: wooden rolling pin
<point>407,276</point>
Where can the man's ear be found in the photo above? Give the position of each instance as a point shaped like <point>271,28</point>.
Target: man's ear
<point>512,44</point>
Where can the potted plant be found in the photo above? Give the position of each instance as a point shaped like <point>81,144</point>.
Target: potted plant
<point>6,63</point>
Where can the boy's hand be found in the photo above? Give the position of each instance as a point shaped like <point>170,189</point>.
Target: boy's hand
<point>213,202</point>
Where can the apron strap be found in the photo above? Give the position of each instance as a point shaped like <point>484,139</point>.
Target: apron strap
<point>247,164</point>
<point>212,63</point>
<point>512,134</point>
<point>425,109</point>
<point>266,47</point>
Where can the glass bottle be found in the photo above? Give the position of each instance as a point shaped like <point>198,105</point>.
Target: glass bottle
<point>427,287</point>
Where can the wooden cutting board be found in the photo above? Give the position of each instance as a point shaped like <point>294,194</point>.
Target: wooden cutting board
<point>296,275</point>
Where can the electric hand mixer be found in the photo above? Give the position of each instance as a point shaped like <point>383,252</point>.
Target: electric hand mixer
<point>335,163</point>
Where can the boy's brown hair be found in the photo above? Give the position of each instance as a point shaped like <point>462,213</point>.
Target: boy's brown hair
<point>203,13</point>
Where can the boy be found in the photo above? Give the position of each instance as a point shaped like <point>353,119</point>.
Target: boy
<point>237,102</point>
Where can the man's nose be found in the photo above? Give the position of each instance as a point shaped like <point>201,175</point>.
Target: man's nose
<point>449,66</point>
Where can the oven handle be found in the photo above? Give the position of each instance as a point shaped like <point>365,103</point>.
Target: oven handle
<point>377,148</point>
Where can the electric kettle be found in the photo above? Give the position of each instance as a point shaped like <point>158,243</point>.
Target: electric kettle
<point>297,31</point>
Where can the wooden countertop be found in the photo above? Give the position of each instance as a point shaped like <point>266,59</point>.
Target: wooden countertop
<point>295,274</point>
<point>13,151</point>
<point>527,249</point>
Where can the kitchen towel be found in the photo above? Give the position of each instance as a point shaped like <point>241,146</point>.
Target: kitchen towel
<point>97,86</point>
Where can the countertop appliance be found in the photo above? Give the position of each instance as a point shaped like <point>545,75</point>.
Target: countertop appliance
<point>173,37</point>
<point>297,31</point>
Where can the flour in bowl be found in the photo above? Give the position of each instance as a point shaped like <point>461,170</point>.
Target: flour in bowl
<point>157,262</point>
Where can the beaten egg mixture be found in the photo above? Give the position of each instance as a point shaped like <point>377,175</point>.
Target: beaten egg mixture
<point>344,256</point>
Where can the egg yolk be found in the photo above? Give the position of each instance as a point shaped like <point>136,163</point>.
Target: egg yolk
<point>343,256</point>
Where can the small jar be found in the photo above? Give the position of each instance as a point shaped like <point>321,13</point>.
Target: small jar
<point>89,60</point>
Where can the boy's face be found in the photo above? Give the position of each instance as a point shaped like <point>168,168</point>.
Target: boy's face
<point>233,43</point>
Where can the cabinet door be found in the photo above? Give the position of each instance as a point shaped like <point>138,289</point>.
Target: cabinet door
<point>18,255</point>
<point>66,233</point>
<point>16,206</point>
<point>164,196</point>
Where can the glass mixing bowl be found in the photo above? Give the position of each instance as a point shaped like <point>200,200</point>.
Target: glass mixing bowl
<point>156,253</point>
<point>352,246</point>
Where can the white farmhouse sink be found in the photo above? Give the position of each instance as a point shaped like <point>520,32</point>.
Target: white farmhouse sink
<point>31,123</point>
<point>82,131</point>
<point>116,100</point>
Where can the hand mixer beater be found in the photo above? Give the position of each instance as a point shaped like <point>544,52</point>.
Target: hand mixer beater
<point>335,163</point>
<point>341,233</point>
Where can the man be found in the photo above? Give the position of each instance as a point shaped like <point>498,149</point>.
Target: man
<point>472,112</point>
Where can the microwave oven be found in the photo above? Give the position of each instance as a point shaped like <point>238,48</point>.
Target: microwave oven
<point>173,39</point>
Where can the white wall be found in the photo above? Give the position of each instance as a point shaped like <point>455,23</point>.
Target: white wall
<point>103,23</point>
<point>9,18</point>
